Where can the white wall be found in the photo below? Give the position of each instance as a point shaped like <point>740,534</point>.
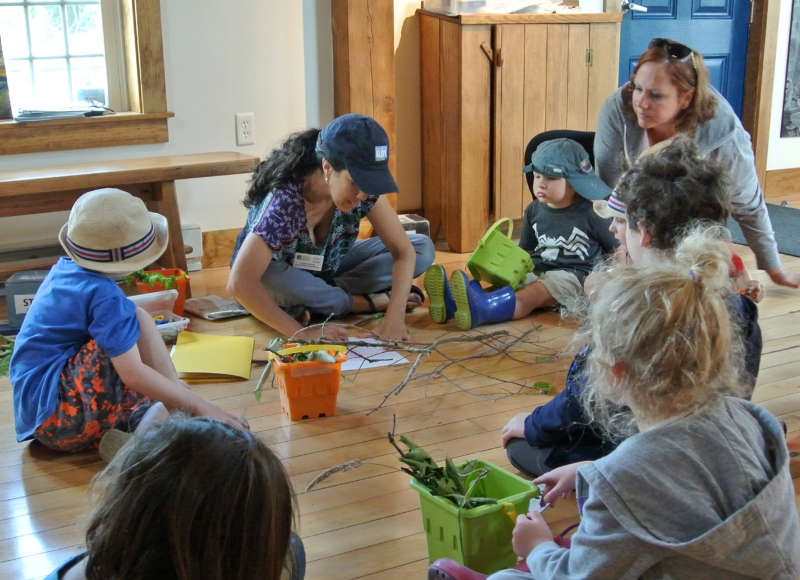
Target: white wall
<point>782,153</point>
<point>220,58</point>
<point>319,61</point>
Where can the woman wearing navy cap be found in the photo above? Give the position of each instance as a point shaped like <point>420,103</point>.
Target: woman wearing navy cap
<point>298,255</point>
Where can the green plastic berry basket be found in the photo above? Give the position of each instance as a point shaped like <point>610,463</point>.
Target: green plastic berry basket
<point>498,260</point>
<point>479,538</point>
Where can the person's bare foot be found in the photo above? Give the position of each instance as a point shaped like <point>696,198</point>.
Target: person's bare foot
<point>380,300</point>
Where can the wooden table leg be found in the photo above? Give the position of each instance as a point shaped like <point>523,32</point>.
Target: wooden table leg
<point>167,205</point>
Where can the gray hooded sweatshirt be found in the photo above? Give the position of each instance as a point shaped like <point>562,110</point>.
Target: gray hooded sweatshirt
<point>705,496</point>
<point>619,140</point>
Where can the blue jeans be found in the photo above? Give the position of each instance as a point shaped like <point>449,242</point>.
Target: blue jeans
<point>365,269</point>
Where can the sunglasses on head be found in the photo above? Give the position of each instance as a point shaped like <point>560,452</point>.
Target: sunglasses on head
<point>674,50</point>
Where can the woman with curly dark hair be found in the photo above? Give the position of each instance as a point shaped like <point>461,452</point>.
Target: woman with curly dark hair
<point>298,254</point>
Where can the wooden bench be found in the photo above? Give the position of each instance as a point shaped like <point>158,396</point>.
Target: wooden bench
<point>46,189</point>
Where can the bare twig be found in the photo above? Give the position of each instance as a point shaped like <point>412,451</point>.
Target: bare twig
<point>352,464</point>
<point>487,340</point>
<point>492,344</point>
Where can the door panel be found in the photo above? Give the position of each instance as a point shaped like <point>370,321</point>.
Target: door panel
<point>604,42</point>
<point>716,28</point>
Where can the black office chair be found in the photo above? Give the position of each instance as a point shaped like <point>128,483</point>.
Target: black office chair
<point>585,138</point>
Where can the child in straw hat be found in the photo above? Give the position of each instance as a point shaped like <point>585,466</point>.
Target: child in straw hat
<point>86,359</point>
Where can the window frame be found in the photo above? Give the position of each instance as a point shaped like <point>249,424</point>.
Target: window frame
<point>144,122</point>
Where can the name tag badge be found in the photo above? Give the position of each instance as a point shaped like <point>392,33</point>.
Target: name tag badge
<point>311,262</point>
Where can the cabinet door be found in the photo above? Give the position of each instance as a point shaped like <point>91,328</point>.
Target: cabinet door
<point>604,44</point>
<point>577,77</point>
<point>541,83</point>
<point>547,76</point>
<point>513,91</point>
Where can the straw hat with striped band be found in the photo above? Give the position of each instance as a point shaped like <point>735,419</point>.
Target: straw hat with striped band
<point>111,231</point>
<point>613,207</point>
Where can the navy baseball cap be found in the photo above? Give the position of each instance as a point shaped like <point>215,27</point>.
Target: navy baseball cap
<point>568,159</point>
<point>362,145</point>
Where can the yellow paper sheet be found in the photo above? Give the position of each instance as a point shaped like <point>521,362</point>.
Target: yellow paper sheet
<point>212,357</point>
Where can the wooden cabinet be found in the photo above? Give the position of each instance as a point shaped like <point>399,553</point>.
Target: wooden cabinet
<point>490,82</point>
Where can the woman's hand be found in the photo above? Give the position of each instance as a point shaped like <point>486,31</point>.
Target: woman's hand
<point>514,429</point>
<point>784,278</point>
<point>331,332</point>
<point>559,482</point>
<point>391,329</point>
<point>530,531</point>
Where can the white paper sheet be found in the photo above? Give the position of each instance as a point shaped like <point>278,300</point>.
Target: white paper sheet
<point>367,357</point>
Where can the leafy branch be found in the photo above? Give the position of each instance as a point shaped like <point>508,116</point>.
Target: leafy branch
<point>151,279</point>
<point>451,481</point>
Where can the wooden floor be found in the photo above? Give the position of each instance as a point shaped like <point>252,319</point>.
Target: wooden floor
<point>364,522</point>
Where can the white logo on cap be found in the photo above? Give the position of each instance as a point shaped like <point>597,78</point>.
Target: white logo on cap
<point>381,152</point>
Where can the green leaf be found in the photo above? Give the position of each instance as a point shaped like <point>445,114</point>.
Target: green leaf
<point>448,481</point>
<point>454,474</point>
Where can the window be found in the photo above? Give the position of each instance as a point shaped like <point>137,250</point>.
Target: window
<point>59,53</point>
<point>142,98</point>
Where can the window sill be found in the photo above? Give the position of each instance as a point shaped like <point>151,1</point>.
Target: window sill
<point>83,133</point>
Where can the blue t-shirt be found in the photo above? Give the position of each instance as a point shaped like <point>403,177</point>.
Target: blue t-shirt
<point>72,306</point>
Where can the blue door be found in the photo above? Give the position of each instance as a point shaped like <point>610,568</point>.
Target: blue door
<point>716,28</point>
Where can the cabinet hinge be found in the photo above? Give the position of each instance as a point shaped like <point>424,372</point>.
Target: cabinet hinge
<point>589,55</point>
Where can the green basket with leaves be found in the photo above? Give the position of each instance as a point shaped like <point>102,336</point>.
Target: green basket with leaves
<point>468,510</point>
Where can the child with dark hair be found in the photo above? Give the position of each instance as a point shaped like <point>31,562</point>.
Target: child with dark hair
<point>191,499</point>
<point>663,193</point>
<point>298,255</point>
<point>87,361</point>
<point>564,237</point>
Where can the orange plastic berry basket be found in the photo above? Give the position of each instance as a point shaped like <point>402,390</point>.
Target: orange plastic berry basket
<point>309,389</point>
<point>180,285</point>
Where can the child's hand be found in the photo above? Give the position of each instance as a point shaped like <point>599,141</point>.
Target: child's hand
<point>558,482</point>
<point>514,429</point>
<point>530,531</point>
<point>211,410</point>
<point>754,290</point>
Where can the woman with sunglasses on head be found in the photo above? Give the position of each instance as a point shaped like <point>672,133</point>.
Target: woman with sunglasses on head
<point>670,93</point>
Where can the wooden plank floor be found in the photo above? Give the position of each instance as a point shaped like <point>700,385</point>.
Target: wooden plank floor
<point>364,522</point>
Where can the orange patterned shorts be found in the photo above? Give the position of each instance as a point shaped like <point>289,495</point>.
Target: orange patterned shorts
<point>91,400</point>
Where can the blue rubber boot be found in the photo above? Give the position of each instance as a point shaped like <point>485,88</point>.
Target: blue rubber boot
<point>442,307</point>
<point>475,307</point>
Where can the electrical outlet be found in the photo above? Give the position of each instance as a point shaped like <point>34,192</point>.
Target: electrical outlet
<point>245,128</point>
